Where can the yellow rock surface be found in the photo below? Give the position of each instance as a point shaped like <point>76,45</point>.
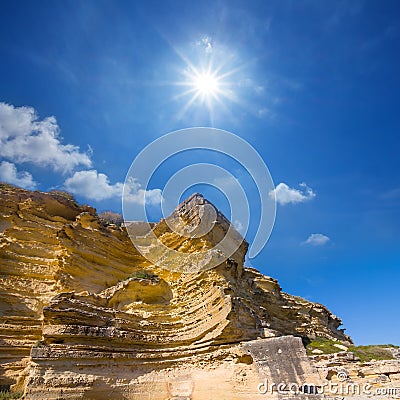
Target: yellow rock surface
<point>84,314</point>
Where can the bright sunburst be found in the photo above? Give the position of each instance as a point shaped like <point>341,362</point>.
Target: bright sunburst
<point>210,84</point>
<point>206,84</point>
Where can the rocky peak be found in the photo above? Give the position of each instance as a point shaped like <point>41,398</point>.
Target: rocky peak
<point>195,237</point>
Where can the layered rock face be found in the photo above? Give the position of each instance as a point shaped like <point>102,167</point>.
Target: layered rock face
<point>84,314</point>
<point>49,245</point>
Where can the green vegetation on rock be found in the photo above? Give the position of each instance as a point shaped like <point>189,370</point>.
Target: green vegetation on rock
<point>6,395</point>
<point>364,353</point>
<point>8,186</point>
<point>373,352</point>
<point>144,275</point>
<point>327,346</point>
<point>111,218</point>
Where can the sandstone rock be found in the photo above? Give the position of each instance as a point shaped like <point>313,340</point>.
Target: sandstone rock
<point>317,351</point>
<point>84,314</point>
<point>341,347</point>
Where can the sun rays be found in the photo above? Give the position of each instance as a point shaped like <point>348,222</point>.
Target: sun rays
<point>208,85</point>
<point>212,82</point>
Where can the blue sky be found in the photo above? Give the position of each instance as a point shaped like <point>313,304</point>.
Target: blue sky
<point>313,86</point>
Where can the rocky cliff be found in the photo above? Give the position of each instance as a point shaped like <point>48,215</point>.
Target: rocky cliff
<point>84,314</point>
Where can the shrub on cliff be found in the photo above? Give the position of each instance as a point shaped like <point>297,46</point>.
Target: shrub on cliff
<point>110,217</point>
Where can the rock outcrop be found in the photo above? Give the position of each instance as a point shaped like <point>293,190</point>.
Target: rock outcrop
<point>84,314</point>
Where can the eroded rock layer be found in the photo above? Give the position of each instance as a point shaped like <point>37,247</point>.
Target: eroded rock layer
<point>85,315</point>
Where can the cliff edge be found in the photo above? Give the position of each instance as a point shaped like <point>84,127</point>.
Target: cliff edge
<point>84,314</point>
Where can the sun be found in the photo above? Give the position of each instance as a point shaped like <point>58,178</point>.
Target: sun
<point>206,84</point>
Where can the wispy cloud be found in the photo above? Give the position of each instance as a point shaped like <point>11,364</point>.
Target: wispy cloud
<point>9,173</point>
<point>134,193</point>
<point>286,195</point>
<point>249,83</point>
<point>226,182</point>
<point>259,89</point>
<point>317,239</point>
<point>96,186</point>
<point>390,194</point>
<point>206,42</point>
<point>24,138</point>
<point>339,11</point>
<point>262,112</point>
<point>239,226</point>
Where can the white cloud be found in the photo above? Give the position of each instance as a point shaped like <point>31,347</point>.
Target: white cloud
<point>285,195</point>
<point>317,239</point>
<point>135,194</point>
<point>249,83</point>
<point>259,89</point>
<point>225,182</point>
<point>262,112</point>
<point>9,174</point>
<point>96,186</point>
<point>26,138</point>
<point>206,43</point>
<point>239,226</point>
<point>92,185</point>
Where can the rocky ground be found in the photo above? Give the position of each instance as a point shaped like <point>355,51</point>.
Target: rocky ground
<point>84,315</point>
